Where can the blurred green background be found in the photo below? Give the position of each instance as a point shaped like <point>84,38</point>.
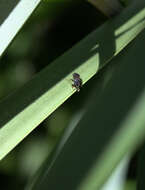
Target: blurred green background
<point>51,30</point>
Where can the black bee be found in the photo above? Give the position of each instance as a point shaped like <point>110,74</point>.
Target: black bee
<point>77,81</point>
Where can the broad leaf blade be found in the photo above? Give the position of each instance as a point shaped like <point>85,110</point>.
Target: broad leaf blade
<point>112,128</point>
<point>22,111</point>
<point>14,15</point>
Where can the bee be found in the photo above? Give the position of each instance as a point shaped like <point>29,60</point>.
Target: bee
<point>77,81</point>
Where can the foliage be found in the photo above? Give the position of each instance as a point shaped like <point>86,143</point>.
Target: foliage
<point>102,124</point>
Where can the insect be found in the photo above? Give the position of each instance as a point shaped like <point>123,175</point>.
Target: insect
<point>77,81</point>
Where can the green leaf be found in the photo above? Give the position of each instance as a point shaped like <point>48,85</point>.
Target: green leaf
<point>6,6</point>
<point>13,14</point>
<point>25,109</point>
<point>112,128</point>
